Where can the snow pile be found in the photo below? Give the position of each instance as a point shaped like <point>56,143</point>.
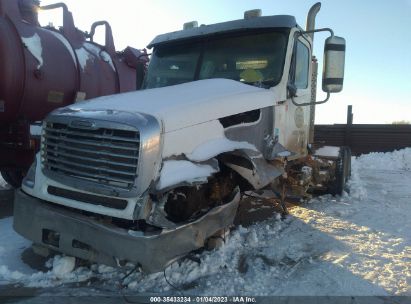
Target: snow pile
<point>62,272</point>
<point>244,247</point>
<point>397,160</point>
<point>63,266</point>
<point>356,184</point>
<point>10,275</point>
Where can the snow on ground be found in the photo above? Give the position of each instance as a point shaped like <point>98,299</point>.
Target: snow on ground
<point>357,244</point>
<point>11,246</point>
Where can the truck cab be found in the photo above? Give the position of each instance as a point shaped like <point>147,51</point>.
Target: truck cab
<point>148,176</point>
<point>259,51</point>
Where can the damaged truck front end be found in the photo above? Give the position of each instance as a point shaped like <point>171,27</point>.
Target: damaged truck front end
<point>101,191</point>
<point>116,186</point>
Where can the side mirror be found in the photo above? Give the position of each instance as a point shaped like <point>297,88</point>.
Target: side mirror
<point>334,61</point>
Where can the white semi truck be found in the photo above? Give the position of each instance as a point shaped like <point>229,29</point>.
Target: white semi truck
<point>146,177</point>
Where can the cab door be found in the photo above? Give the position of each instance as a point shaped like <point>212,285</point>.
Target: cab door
<point>297,117</point>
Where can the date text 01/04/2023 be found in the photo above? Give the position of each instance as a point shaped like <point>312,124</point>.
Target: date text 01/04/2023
<point>202,299</point>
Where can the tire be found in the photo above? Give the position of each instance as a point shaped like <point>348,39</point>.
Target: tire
<point>13,177</point>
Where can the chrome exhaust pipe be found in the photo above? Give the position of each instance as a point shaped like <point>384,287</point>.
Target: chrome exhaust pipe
<point>312,13</point>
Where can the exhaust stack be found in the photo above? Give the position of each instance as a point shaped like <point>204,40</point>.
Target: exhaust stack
<point>312,14</point>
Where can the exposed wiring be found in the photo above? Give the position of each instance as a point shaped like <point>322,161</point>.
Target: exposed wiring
<point>121,285</point>
<point>128,274</point>
<point>169,283</point>
<point>133,270</point>
<point>193,258</point>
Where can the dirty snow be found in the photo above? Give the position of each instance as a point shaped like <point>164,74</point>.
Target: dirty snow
<point>356,244</point>
<point>33,44</point>
<point>397,160</point>
<point>178,171</point>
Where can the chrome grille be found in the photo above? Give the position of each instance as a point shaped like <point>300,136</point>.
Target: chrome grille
<point>103,155</point>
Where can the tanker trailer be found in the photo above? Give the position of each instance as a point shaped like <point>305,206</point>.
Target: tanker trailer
<point>44,68</point>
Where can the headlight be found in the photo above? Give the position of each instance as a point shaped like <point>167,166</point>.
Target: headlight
<point>30,179</point>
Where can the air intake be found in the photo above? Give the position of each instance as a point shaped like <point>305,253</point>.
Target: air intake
<point>190,25</point>
<point>252,14</point>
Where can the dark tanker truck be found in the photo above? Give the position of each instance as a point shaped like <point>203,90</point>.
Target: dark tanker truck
<point>44,68</point>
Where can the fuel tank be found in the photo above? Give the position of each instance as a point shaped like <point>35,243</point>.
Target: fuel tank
<point>43,68</point>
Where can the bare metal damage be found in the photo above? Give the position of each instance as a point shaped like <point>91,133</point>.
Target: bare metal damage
<point>86,238</point>
<point>254,164</point>
<point>254,168</point>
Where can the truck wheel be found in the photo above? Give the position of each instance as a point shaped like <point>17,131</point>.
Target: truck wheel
<point>13,177</point>
<point>342,171</point>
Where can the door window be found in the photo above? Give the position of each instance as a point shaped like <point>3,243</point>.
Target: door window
<point>302,61</point>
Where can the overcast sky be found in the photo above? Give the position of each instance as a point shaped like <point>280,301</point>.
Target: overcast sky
<point>378,60</point>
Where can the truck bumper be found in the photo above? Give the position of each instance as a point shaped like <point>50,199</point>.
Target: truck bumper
<point>80,236</point>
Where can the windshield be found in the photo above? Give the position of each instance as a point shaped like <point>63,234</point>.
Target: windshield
<point>256,59</point>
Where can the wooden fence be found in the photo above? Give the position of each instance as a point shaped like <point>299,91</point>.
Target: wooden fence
<point>365,138</point>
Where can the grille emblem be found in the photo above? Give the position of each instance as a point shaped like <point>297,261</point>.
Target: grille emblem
<point>82,124</point>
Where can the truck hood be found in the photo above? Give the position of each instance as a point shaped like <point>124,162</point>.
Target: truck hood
<point>186,104</point>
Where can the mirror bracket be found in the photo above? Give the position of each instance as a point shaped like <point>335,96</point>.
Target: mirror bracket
<point>292,90</point>
<point>310,103</point>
